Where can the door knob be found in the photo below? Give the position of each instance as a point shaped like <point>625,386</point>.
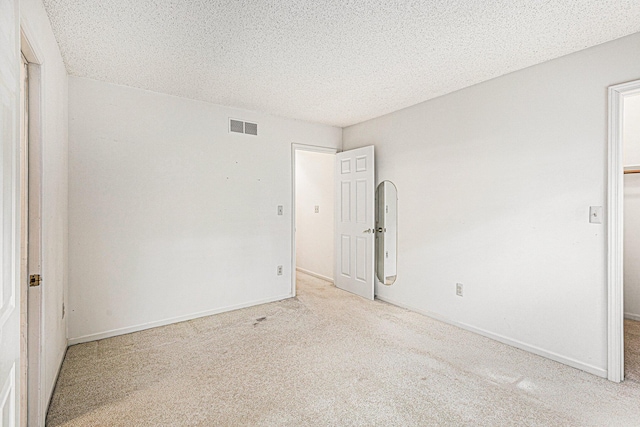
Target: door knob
<point>369,230</point>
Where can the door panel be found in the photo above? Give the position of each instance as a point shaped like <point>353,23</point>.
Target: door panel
<point>361,201</point>
<point>345,166</point>
<point>345,264</point>
<point>355,181</point>
<point>361,259</point>
<point>9,217</point>
<point>345,209</point>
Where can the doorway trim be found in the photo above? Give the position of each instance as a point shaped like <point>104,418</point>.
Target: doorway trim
<point>615,230</point>
<point>294,148</point>
<point>33,398</point>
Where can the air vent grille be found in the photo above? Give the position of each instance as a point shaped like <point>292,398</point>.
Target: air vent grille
<point>238,126</point>
<point>250,128</point>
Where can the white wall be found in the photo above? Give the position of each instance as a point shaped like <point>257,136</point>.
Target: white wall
<point>631,141</point>
<point>495,183</point>
<point>314,231</point>
<point>631,131</point>
<point>54,189</point>
<point>172,217</point>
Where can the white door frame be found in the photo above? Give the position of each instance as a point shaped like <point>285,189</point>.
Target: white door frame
<point>24,236</point>
<point>615,230</point>
<point>33,397</point>
<point>300,147</point>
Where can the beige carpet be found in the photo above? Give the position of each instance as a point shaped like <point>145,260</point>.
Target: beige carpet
<point>632,351</point>
<point>326,358</point>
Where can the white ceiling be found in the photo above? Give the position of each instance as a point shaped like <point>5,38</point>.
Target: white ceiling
<point>337,62</point>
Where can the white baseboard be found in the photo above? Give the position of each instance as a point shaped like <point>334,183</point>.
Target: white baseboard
<point>632,316</point>
<point>311,273</point>
<point>55,381</point>
<point>505,340</point>
<point>149,325</point>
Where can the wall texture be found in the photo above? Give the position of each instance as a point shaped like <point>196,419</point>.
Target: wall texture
<point>54,190</point>
<point>171,216</point>
<point>495,183</point>
<point>314,231</point>
<point>631,141</point>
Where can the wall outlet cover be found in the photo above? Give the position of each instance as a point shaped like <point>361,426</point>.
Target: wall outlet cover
<point>595,214</point>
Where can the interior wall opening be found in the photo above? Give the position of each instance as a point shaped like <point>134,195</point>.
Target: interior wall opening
<point>631,280</point>
<point>314,213</point>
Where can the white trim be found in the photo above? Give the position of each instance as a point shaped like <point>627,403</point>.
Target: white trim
<point>302,147</point>
<point>36,294</point>
<point>615,232</point>
<point>55,381</point>
<point>169,321</point>
<point>505,340</point>
<point>24,238</point>
<point>631,316</point>
<point>35,300</point>
<point>317,275</point>
<point>28,45</point>
<point>34,396</point>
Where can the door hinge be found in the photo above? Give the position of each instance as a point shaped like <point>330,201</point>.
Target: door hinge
<point>34,280</point>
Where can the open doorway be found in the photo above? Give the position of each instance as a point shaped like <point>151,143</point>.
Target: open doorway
<point>619,166</point>
<point>313,213</point>
<point>631,279</point>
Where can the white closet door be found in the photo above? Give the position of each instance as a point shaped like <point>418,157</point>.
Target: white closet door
<point>355,221</point>
<point>10,219</point>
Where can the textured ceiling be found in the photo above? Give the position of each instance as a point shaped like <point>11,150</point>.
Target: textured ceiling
<point>337,62</point>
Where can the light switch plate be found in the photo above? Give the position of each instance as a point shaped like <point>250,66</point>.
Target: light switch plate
<point>279,209</point>
<point>595,214</point>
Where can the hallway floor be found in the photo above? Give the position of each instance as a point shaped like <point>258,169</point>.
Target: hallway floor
<point>326,358</point>
<point>632,351</point>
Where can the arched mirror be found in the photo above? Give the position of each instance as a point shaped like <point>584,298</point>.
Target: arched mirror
<point>386,232</point>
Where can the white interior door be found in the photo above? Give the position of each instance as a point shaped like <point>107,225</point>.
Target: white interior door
<point>355,221</point>
<point>9,218</point>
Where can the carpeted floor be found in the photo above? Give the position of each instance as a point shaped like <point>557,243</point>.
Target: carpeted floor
<point>632,351</point>
<point>327,358</point>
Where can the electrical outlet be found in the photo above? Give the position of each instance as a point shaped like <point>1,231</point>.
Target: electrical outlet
<point>459,289</point>
<point>279,270</point>
<point>317,209</point>
<point>280,209</point>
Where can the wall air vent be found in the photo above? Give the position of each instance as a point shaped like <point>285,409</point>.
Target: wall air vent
<point>238,126</point>
<point>250,128</point>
